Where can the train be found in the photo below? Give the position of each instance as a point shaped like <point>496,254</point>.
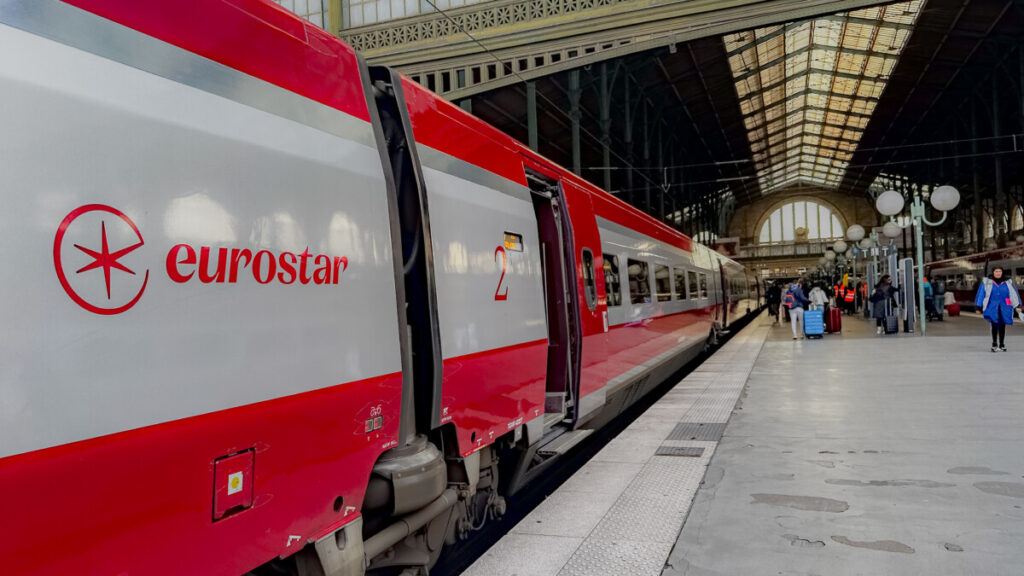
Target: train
<point>962,275</point>
<point>335,320</point>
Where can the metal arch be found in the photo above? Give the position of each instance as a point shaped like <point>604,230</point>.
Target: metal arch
<point>401,42</point>
<point>686,110</point>
<point>803,131</point>
<point>812,46</point>
<point>833,18</point>
<point>810,70</point>
<point>714,109</point>
<point>917,83</point>
<point>810,92</point>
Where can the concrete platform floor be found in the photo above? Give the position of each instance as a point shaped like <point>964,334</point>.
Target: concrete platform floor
<point>621,512</point>
<point>860,454</point>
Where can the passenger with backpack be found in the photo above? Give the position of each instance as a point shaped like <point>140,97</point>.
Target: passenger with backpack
<point>795,302</point>
<point>882,300</point>
<point>996,300</point>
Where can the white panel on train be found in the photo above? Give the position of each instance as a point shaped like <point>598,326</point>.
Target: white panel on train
<point>186,168</point>
<point>486,298</point>
<point>625,244</point>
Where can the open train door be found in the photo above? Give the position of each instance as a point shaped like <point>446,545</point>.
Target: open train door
<point>726,303</point>
<point>554,233</point>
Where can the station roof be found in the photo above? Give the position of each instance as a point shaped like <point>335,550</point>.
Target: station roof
<point>826,102</point>
<point>807,89</point>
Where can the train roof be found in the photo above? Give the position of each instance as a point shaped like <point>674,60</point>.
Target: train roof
<point>256,37</point>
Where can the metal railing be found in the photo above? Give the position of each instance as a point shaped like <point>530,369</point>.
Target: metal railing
<point>785,249</point>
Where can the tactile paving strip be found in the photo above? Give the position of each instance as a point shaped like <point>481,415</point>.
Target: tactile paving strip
<point>688,451</point>
<point>636,534</point>
<point>703,431</point>
<point>617,557</point>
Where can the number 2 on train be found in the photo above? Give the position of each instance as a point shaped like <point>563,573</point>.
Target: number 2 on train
<point>500,296</point>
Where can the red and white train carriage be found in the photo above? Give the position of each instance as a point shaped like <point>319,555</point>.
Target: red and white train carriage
<point>265,302</point>
<point>962,275</point>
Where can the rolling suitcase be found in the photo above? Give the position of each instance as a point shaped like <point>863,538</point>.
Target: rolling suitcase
<point>892,322</point>
<point>835,320</point>
<point>953,309</point>
<point>814,323</point>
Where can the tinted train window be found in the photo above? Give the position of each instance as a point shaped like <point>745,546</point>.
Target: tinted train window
<point>703,285</point>
<point>680,283</point>
<point>662,283</point>
<point>691,278</point>
<point>589,284</point>
<point>611,280</point>
<point>639,281</point>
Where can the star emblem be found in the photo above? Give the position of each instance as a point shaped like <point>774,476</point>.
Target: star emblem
<point>106,259</point>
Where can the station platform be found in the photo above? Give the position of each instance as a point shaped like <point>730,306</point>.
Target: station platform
<point>854,454</point>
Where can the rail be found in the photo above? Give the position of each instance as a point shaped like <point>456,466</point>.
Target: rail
<point>785,249</point>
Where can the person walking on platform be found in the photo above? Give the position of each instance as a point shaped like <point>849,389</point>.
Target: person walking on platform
<point>929,300</point>
<point>774,299</point>
<point>795,302</point>
<point>996,300</point>
<point>818,297</point>
<point>881,299</point>
<point>939,298</point>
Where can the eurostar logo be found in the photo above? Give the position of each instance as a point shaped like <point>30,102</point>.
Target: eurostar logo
<point>98,262</point>
<point>82,286</point>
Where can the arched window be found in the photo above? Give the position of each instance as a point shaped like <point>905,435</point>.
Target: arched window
<point>990,225</point>
<point>818,220</point>
<point>1017,218</point>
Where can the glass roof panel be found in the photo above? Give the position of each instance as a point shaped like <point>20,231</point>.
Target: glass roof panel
<point>807,89</point>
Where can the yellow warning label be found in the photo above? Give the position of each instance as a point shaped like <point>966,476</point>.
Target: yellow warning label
<point>235,482</point>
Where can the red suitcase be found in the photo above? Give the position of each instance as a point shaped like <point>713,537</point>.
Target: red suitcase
<point>953,309</point>
<point>834,320</point>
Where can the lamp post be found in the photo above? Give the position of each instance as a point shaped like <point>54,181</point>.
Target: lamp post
<point>855,234</point>
<point>890,203</point>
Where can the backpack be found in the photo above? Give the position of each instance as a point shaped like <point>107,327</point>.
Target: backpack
<point>790,300</point>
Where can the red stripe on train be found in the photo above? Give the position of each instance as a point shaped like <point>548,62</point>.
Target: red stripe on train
<point>140,502</point>
<point>258,38</point>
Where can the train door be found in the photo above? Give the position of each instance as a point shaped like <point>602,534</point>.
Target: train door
<point>726,302</point>
<point>591,300</point>
<point>561,389</point>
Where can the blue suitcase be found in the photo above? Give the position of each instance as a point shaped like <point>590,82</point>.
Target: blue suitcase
<point>814,323</point>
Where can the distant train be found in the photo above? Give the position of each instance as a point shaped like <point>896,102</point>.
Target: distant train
<point>272,310</point>
<point>963,274</point>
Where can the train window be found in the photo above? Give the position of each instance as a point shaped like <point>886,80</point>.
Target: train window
<point>691,278</point>
<point>680,283</point>
<point>589,284</point>
<point>662,283</point>
<point>611,280</point>
<point>639,281</point>
<point>703,285</point>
